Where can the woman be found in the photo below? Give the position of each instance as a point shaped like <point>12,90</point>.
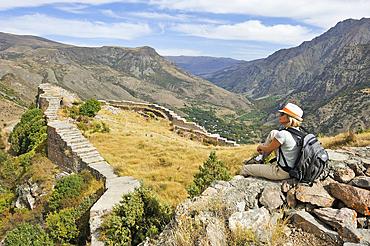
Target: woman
<point>290,116</point>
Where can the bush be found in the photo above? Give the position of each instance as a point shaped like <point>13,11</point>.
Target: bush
<point>62,225</point>
<point>28,132</point>
<point>65,190</point>
<point>26,234</point>
<point>213,170</point>
<point>138,215</point>
<point>90,107</point>
<point>73,113</point>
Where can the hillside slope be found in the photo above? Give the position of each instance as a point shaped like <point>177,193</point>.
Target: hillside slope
<point>288,69</point>
<point>201,65</point>
<point>327,77</point>
<point>106,73</point>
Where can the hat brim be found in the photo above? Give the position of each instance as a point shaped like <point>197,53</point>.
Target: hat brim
<point>291,115</point>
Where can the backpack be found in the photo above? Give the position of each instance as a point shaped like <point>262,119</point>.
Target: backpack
<point>312,161</point>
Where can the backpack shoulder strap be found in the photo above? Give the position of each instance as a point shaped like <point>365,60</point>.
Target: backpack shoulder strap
<point>295,132</point>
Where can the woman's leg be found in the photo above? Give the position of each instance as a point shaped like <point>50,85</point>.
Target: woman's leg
<point>269,139</point>
<point>273,172</point>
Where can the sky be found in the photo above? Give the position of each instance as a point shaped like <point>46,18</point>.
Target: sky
<point>238,29</point>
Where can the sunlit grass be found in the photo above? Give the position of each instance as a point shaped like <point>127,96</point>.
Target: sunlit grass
<point>349,139</point>
<point>148,150</point>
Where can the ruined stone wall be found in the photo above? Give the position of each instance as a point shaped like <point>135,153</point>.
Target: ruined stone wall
<point>71,151</point>
<point>179,123</point>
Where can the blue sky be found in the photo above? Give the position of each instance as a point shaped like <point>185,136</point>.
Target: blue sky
<point>240,29</point>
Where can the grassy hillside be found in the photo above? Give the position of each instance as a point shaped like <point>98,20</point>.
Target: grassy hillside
<point>148,150</point>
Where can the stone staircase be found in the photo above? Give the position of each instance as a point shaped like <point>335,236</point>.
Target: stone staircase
<point>71,151</point>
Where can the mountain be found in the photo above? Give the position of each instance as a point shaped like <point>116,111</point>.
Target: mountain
<point>202,65</point>
<point>289,69</point>
<point>327,76</point>
<point>138,74</point>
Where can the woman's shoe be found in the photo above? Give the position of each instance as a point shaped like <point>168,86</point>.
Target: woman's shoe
<point>253,160</point>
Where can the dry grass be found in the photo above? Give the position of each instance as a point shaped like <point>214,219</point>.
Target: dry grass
<point>349,139</point>
<point>148,150</point>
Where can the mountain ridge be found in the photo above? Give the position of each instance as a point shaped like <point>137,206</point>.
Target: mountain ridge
<point>109,72</point>
<point>202,65</point>
<point>312,75</point>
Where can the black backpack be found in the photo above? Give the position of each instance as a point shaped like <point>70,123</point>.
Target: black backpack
<point>312,161</point>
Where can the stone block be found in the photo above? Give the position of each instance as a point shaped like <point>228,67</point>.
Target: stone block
<point>353,197</point>
<point>316,195</point>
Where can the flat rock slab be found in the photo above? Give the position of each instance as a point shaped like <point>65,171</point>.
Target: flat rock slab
<point>312,225</point>
<point>337,156</point>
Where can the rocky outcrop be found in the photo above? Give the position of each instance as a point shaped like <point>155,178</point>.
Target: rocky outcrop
<point>334,211</point>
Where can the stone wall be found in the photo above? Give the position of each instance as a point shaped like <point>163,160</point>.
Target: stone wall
<point>71,151</point>
<point>179,123</point>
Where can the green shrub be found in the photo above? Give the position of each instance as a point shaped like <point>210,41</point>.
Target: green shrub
<point>362,130</point>
<point>25,160</point>
<point>90,107</point>
<point>213,170</point>
<point>65,190</point>
<point>82,126</point>
<point>28,132</point>
<point>26,234</point>
<point>73,113</point>
<point>62,225</point>
<point>8,169</point>
<point>95,127</point>
<point>105,127</point>
<point>138,215</point>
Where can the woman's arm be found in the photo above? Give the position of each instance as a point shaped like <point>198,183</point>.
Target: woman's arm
<point>272,146</point>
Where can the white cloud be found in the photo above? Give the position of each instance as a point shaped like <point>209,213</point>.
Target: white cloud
<point>247,31</point>
<point>6,4</point>
<point>160,16</point>
<point>322,13</point>
<point>76,9</point>
<point>41,24</point>
<point>178,52</point>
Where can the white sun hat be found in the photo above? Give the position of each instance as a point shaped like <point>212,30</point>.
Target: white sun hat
<point>293,111</point>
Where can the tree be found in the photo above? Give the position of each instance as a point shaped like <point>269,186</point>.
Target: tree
<point>26,234</point>
<point>90,107</point>
<point>138,215</point>
<point>28,132</point>
<point>213,170</point>
<point>62,225</point>
<point>66,189</point>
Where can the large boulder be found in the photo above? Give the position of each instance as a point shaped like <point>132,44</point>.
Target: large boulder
<point>337,218</point>
<point>354,235</point>
<point>353,197</point>
<point>344,176</point>
<point>361,181</point>
<point>272,198</point>
<point>315,195</point>
<point>310,224</point>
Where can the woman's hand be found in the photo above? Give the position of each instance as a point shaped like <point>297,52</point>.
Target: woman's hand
<point>259,149</point>
<point>273,145</point>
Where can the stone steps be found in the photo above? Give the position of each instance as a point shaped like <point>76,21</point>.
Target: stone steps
<point>81,145</point>
<point>84,150</point>
<point>93,153</point>
<point>91,159</point>
<point>75,140</point>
